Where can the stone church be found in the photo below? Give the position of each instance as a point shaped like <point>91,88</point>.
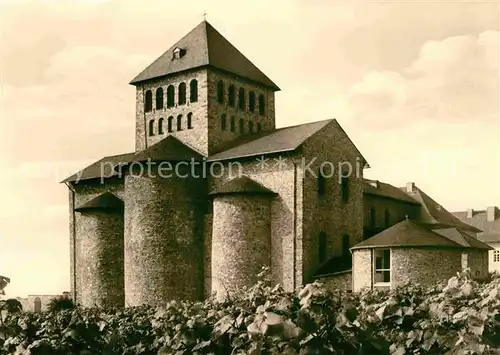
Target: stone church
<point>213,190</point>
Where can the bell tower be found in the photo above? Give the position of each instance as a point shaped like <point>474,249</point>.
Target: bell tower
<point>203,91</point>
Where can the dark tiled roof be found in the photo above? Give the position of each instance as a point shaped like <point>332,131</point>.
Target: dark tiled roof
<point>282,140</point>
<point>460,237</point>
<point>105,201</point>
<point>103,167</point>
<point>386,190</point>
<point>407,234</point>
<point>434,213</point>
<point>489,237</point>
<point>204,46</point>
<point>242,185</point>
<point>168,149</point>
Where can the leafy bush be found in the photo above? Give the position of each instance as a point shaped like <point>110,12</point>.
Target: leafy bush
<point>60,303</point>
<point>460,317</point>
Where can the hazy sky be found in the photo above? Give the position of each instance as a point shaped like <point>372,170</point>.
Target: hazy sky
<point>414,84</point>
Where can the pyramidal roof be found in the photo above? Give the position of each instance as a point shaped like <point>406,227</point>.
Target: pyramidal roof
<point>204,46</point>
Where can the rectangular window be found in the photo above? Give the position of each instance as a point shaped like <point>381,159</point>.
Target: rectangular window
<point>496,256</point>
<point>382,267</point>
<point>321,185</point>
<point>345,189</point>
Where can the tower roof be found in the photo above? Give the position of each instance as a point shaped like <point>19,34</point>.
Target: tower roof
<point>105,201</point>
<point>242,185</point>
<point>204,46</point>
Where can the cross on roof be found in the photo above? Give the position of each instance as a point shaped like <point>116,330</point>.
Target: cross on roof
<point>205,16</point>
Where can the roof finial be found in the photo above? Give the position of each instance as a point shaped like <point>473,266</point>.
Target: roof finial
<point>406,216</point>
<point>204,16</point>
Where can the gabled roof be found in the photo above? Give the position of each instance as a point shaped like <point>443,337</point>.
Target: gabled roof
<point>204,46</point>
<point>286,139</point>
<point>409,233</point>
<point>406,233</point>
<point>434,213</point>
<point>105,201</point>
<point>101,168</point>
<point>242,185</point>
<point>379,188</point>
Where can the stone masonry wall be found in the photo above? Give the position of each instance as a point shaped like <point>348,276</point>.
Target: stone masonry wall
<point>85,191</point>
<point>218,138</point>
<point>285,220</point>
<point>330,147</point>
<point>100,262</point>
<point>478,263</point>
<point>241,241</point>
<point>362,271</point>
<point>197,137</point>
<point>163,237</point>
<point>424,265</point>
<point>341,281</point>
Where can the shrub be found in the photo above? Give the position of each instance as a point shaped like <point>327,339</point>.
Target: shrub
<point>460,317</point>
<point>60,303</point>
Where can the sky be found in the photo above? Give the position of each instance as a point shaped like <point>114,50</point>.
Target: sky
<point>415,84</point>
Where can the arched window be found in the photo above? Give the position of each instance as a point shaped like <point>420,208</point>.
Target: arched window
<point>182,93</point>
<point>321,184</point>
<point>159,98</point>
<point>233,124</point>
<point>151,128</point>
<point>372,217</point>
<point>190,120</point>
<point>179,123</point>
<point>259,127</point>
<point>37,305</point>
<point>251,101</point>
<point>170,96</point>
<point>250,126</point>
<point>387,218</point>
<point>220,91</point>
<point>262,105</point>
<point>344,186</point>
<point>193,91</point>
<point>322,245</point>
<point>242,126</point>
<point>170,124</point>
<point>148,101</point>
<point>230,95</point>
<point>241,99</point>
<point>160,126</point>
<point>223,122</point>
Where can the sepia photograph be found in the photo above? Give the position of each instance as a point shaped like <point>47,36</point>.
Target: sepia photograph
<point>295,177</point>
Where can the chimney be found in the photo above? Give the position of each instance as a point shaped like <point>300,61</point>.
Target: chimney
<point>410,186</point>
<point>470,213</point>
<point>491,213</point>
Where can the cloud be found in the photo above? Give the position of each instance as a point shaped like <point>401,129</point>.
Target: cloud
<point>453,80</point>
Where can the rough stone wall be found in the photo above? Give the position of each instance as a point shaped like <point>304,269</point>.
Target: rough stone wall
<point>163,237</point>
<point>478,263</point>
<point>424,265</point>
<point>362,269</point>
<point>28,303</point>
<point>397,211</point>
<point>285,180</point>
<point>328,148</point>
<point>341,281</point>
<point>241,241</point>
<point>217,137</point>
<point>197,137</point>
<point>85,191</point>
<point>100,261</point>
<point>207,257</point>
